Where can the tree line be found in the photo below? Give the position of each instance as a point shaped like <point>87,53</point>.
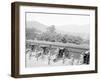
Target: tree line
<point>52,36</point>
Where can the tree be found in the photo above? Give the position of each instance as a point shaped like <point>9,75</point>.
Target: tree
<point>64,40</point>
<point>51,29</point>
<point>78,40</point>
<point>50,34</point>
<point>74,39</point>
<point>59,37</point>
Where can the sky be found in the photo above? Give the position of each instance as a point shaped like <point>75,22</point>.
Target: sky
<point>60,20</point>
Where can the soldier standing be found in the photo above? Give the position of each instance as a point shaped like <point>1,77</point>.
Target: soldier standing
<point>86,57</point>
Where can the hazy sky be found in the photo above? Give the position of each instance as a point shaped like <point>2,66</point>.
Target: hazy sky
<point>62,20</point>
<point>56,19</point>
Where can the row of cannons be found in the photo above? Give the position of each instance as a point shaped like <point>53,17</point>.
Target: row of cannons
<point>56,53</point>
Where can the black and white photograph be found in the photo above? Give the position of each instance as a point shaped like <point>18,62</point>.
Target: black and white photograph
<point>57,39</point>
<point>53,39</point>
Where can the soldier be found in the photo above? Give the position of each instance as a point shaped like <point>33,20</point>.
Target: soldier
<point>86,57</point>
<point>32,47</point>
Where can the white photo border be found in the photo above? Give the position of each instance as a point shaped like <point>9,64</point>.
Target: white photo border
<point>54,69</point>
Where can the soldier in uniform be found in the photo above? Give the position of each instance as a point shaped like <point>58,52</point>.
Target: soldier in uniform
<point>86,57</point>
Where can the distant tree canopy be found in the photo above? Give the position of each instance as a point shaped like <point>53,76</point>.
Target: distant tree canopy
<point>51,35</point>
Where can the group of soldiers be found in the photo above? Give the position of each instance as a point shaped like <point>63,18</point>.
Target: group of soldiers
<point>60,53</point>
